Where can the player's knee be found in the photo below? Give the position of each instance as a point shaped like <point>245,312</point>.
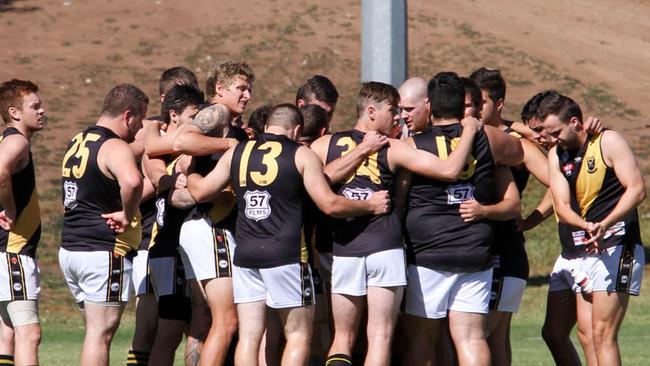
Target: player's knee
<point>31,334</point>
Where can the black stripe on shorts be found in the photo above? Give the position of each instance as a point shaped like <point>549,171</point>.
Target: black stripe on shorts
<point>625,265</point>
<point>16,277</point>
<point>115,276</point>
<point>222,257</point>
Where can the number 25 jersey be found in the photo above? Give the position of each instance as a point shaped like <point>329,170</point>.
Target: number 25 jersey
<point>87,194</point>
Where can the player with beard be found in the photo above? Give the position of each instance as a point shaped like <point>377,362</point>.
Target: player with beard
<point>597,185</point>
<point>102,186</point>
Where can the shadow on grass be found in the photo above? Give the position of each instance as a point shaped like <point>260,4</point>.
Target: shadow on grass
<point>8,6</point>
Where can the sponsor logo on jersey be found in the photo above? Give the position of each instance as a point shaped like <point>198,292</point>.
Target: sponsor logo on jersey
<point>70,194</point>
<point>591,165</point>
<point>568,169</point>
<point>257,205</point>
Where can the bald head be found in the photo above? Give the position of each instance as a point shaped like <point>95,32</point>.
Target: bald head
<point>413,88</point>
<point>286,116</point>
<point>414,104</point>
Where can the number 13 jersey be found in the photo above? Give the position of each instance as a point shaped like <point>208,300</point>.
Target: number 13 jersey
<point>365,235</point>
<point>270,195</point>
<point>437,237</point>
<point>87,194</point>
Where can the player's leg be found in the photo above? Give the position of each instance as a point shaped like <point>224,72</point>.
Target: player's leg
<point>297,323</point>
<point>468,308</point>
<point>252,316</point>
<point>102,321</point>
<point>146,312</point>
<point>504,302</point>
<point>349,291</point>
<point>219,294</point>
<point>585,334</point>
<point>199,324</point>
<point>6,336</point>
<point>608,311</point>
<point>560,320</point>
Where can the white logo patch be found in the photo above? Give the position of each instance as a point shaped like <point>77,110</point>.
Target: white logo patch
<point>359,194</point>
<point>257,205</point>
<point>70,194</point>
<point>18,287</point>
<point>458,193</point>
<point>160,211</point>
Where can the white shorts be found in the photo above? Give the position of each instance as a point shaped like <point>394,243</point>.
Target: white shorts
<point>506,294</point>
<point>353,275</point>
<point>167,276</point>
<point>431,294</point>
<point>287,286</point>
<point>206,252</point>
<point>561,278</point>
<point>19,277</point>
<point>617,269</point>
<point>97,277</point>
<point>141,282</point>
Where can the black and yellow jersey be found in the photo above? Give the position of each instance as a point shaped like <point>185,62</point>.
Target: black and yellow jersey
<point>222,216</point>
<point>270,197</point>
<point>509,243</point>
<point>167,225</point>
<point>595,191</point>
<point>87,194</point>
<point>364,235</point>
<point>24,237</point>
<point>437,237</point>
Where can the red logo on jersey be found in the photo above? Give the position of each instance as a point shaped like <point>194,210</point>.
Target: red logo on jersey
<point>568,168</point>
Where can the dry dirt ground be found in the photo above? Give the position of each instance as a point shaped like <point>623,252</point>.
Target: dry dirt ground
<point>597,51</point>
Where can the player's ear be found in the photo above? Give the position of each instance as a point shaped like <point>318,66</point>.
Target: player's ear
<point>297,131</point>
<point>14,113</point>
<point>575,123</point>
<point>371,110</point>
<point>322,132</point>
<point>499,104</point>
<point>300,103</point>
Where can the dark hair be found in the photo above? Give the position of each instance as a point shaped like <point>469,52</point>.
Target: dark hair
<point>11,95</point>
<point>376,92</point>
<point>490,81</point>
<point>224,73</point>
<point>178,98</point>
<point>285,115</point>
<point>315,119</point>
<point>320,88</point>
<point>474,92</point>
<point>559,105</point>
<point>446,95</point>
<point>125,97</point>
<point>178,75</point>
<point>257,119</point>
<point>531,107</point>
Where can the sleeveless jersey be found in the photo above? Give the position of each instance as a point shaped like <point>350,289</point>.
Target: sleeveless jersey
<point>88,193</point>
<point>509,243</point>
<point>24,237</point>
<point>437,236</point>
<point>222,216</point>
<point>595,191</point>
<point>270,197</point>
<point>167,224</point>
<point>365,235</point>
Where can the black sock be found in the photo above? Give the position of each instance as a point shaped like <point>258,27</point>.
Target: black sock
<point>137,358</point>
<point>6,359</point>
<point>339,359</point>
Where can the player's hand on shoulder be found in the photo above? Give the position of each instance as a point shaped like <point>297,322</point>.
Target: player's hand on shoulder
<point>372,142</point>
<point>6,222</point>
<point>593,126</point>
<point>472,123</point>
<point>117,221</point>
<point>379,202</point>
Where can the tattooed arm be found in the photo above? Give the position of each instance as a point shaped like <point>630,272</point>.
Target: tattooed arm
<point>205,134</point>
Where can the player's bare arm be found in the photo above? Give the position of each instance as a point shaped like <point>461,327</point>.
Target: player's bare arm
<point>205,134</point>
<point>402,155</point>
<point>179,196</point>
<point>342,168</point>
<point>332,204</point>
<point>507,208</point>
<point>14,152</point>
<point>402,186</point>
<point>506,149</point>
<point>618,155</point>
<point>536,163</point>
<point>204,189</point>
<point>115,159</point>
<point>562,194</point>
